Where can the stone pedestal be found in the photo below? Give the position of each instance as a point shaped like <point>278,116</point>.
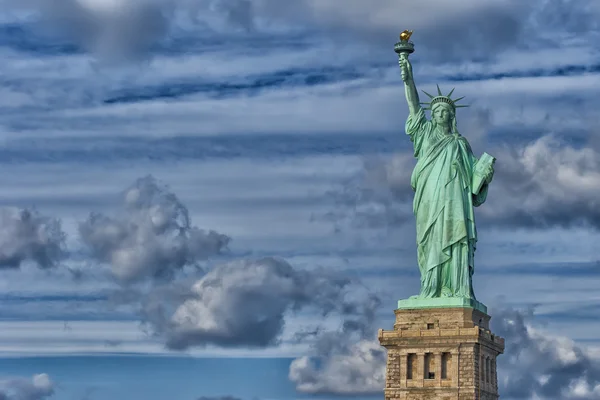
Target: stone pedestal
<point>441,353</point>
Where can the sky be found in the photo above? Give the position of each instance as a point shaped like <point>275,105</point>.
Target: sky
<point>210,199</point>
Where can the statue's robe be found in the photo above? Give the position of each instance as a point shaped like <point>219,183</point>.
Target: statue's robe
<point>443,206</point>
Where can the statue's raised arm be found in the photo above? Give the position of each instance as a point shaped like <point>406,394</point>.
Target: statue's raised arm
<point>410,89</point>
<point>403,48</point>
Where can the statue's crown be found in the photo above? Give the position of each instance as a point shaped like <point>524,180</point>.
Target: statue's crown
<point>440,98</point>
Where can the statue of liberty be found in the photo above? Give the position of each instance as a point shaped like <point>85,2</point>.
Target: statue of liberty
<point>448,182</point>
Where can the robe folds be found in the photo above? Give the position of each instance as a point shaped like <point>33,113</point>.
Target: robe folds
<point>443,207</point>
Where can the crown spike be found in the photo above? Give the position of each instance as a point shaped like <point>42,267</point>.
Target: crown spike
<point>462,106</point>
<point>430,96</point>
<point>450,94</point>
<point>460,98</point>
<point>439,91</point>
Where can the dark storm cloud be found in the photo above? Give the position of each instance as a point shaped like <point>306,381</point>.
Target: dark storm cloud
<point>153,237</point>
<point>25,235</point>
<point>244,304</point>
<point>39,387</point>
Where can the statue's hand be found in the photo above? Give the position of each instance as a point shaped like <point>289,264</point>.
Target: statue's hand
<point>405,67</point>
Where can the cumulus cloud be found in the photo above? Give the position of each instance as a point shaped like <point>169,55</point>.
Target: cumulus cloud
<point>37,388</point>
<point>356,369</point>
<point>545,183</point>
<point>25,235</point>
<point>346,360</point>
<point>245,303</point>
<point>153,238</point>
<point>537,364</point>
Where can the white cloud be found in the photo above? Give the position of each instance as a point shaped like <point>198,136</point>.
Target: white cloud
<point>545,183</point>
<point>26,235</point>
<point>361,370</point>
<point>154,240</point>
<point>536,364</point>
<point>266,205</point>
<point>37,388</point>
<point>539,363</point>
<point>245,303</point>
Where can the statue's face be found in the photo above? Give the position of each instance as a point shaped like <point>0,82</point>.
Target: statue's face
<point>442,114</point>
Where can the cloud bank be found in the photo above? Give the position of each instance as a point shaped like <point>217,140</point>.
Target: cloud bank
<point>117,30</point>
<point>153,238</point>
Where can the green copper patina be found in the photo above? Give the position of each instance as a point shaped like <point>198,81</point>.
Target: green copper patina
<point>448,181</point>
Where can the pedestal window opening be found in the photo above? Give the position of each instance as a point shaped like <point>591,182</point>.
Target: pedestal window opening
<point>429,371</point>
<point>411,365</point>
<point>446,365</point>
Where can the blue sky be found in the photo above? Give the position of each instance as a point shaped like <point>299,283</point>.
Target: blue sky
<point>211,198</point>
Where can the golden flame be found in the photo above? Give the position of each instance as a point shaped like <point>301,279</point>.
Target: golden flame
<point>405,35</point>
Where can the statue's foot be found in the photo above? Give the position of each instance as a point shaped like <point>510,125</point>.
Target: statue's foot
<point>446,292</point>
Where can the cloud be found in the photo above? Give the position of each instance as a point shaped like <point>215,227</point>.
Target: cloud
<point>154,238</point>
<point>571,15</point>
<point>377,196</point>
<point>115,30</point>
<point>547,182</point>
<point>244,303</point>
<point>467,29</point>
<point>25,235</point>
<point>537,364</point>
<point>544,184</point>
<point>37,388</point>
<point>110,29</point>
<point>357,370</point>
<point>344,361</point>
